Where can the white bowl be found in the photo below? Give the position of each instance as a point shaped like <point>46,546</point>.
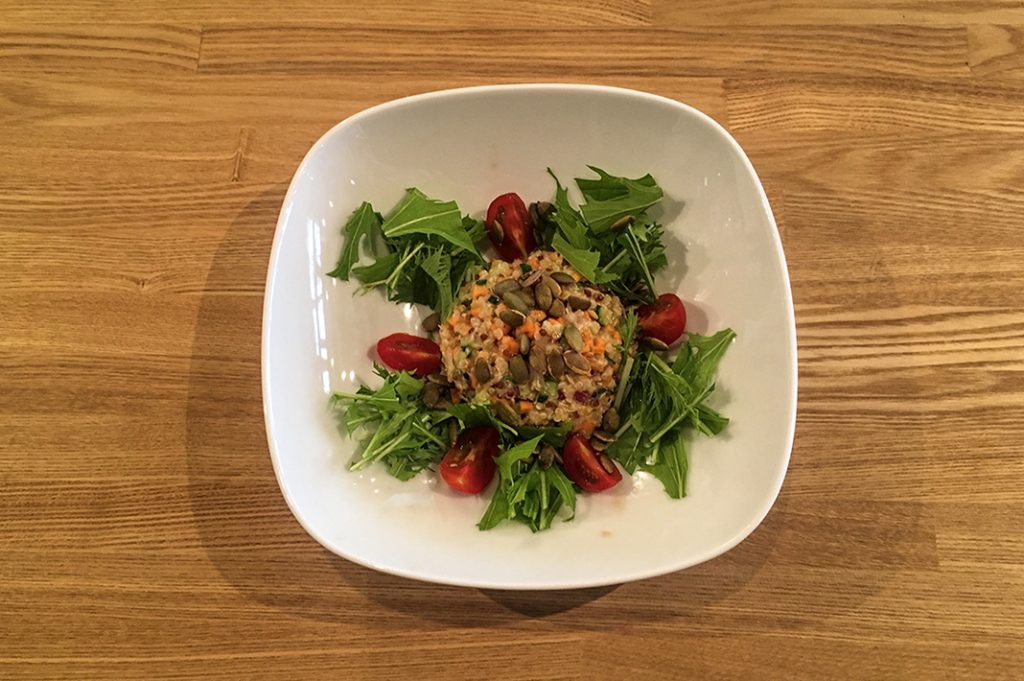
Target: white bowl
<point>726,262</point>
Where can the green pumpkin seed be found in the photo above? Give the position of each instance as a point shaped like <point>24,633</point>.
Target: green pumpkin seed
<point>537,361</point>
<point>603,436</point>
<point>579,302</point>
<point>622,223</point>
<point>557,309</point>
<point>611,419</point>
<point>563,278</point>
<point>524,344</point>
<point>439,379</point>
<point>528,296</point>
<point>506,413</point>
<point>506,285</point>
<point>481,370</point>
<point>431,323</point>
<point>431,394</point>
<point>607,464</point>
<point>544,210</point>
<point>556,364</point>
<point>546,456</point>
<point>453,432</point>
<point>573,337</point>
<point>515,301</point>
<point>599,445</point>
<point>544,296</point>
<point>497,230</point>
<point>512,318</point>
<point>517,367</point>
<point>577,363</point>
<point>532,278</point>
<point>654,343</point>
<point>556,288</point>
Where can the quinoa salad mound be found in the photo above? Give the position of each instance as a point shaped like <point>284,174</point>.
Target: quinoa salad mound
<point>532,340</point>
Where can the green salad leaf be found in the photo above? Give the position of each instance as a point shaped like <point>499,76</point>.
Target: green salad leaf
<point>528,492</point>
<point>417,214</point>
<point>361,224</point>
<point>610,198</point>
<point>401,431</point>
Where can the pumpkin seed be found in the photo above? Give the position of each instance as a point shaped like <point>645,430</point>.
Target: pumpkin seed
<point>532,278</point>
<point>481,370</point>
<point>453,432</point>
<point>563,278</point>
<point>506,413</point>
<point>556,364</point>
<point>622,223</point>
<point>512,318</point>
<point>556,288</point>
<point>599,445</point>
<point>528,296</point>
<point>439,379</point>
<point>515,301</point>
<point>537,361</point>
<point>654,343</point>
<point>573,337</point>
<point>547,456</point>
<point>611,419</point>
<point>607,463</point>
<point>431,323</point>
<point>534,215</point>
<point>603,436</point>
<point>575,361</point>
<point>431,394</point>
<point>544,210</point>
<point>524,344</point>
<point>506,285</point>
<point>544,296</point>
<point>579,303</point>
<point>497,230</point>
<point>517,367</point>
<point>557,309</point>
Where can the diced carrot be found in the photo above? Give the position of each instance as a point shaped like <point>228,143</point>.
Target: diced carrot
<point>529,327</point>
<point>533,263</point>
<point>509,346</point>
<point>525,405</point>
<point>479,291</point>
<point>586,427</point>
<point>599,344</point>
<point>614,333</point>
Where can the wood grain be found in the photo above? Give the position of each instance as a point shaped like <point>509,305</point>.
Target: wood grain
<point>145,152</point>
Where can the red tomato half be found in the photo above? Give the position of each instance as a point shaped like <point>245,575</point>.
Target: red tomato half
<point>402,352</point>
<point>469,464</point>
<point>592,471</point>
<point>513,237</point>
<point>664,319</point>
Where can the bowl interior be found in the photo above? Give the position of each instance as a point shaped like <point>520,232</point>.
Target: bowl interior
<point>726,262</point>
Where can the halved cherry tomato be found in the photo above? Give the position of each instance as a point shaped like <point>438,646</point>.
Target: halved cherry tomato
<point>664,319</point>
<point>403,352</point>
<point>513,235</point>
<point>469,465</point>
<point>592,471</point>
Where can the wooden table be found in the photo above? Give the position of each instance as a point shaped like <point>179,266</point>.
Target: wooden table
<point>144,154</point>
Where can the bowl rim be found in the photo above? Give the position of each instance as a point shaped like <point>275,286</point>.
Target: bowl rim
<point>636,575</point>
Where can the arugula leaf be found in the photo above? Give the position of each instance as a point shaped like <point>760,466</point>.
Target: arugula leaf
<point>376,273</point>
<point>402,431</point>
<point>570,223</point>
<point>420,215</point>
<point>554,435</point>
<point>669,465</point>
<point>584,261</point>
<point>612,198</point>
<point>438,266</point>
<point>361,224</point>
<point>698,361</point>
<point>531,494</point>
<point>708,421</point>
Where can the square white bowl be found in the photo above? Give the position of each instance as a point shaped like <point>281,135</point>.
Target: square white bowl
<point>726,262</point>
